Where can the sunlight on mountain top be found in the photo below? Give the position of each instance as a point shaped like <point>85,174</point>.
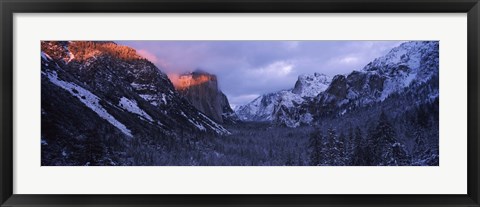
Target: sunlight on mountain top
<point>184,81</point>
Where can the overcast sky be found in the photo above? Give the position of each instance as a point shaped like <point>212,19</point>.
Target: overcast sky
<point>247,69</point>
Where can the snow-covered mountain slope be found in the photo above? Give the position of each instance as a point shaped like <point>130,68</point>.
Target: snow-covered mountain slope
<point>263,108</point>
<point>127,91</point>
<point>411,63</point>
<point>405,68</point>
<point>270,106</point>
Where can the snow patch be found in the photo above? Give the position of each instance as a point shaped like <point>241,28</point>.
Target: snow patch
<point>217,127</point>
<point>132,106</point>
<point>152,99</point>
<point>164,99</point>
<point>306,118</point>
<point>198,125</point>
<point>71,56</point>
<point>45,56</point>
<point>141,86</point>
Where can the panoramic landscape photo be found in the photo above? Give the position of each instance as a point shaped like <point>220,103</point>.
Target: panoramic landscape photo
<point>239,103</point>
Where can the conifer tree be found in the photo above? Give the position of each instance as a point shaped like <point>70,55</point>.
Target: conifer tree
<point>385,149</point>
<point>316,147</point>
<point>399,156</point>
<point>358,155</point>
<point>349,146</point>
<point>340,145</point>
<point>331,151</point>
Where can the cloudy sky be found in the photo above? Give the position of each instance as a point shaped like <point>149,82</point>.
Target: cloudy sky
<point>247,69</point>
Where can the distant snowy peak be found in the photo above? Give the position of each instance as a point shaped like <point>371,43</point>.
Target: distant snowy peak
<point>311,85</point>
<point>260,109</point>
<point>269,106</point>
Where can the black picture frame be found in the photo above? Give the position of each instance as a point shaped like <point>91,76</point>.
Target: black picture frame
<point>10,7</point>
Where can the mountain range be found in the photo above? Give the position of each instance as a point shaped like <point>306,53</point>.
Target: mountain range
<point>101,100</point>
<point>411,67</point>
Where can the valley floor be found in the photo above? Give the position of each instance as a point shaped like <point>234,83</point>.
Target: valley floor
<point>261,144</point>
<point>249,144</point>
<point>264,144</point>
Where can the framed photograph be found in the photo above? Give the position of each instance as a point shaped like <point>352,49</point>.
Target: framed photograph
<point>239,103</point>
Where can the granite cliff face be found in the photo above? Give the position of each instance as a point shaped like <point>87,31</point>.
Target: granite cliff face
<point>202,91</point>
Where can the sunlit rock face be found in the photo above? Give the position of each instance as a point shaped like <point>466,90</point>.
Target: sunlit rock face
<point>193,79</point>
<point>201,90</point>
